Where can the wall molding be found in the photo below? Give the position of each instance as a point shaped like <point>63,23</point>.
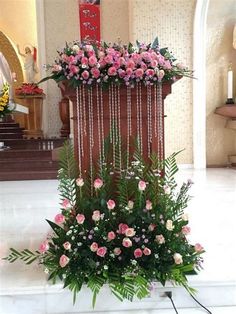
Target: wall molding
<point>199,85</point>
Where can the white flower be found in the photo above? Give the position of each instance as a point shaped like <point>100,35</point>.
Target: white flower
<point>185,217</point>
<point>178,258</point>
<point>169,225</point>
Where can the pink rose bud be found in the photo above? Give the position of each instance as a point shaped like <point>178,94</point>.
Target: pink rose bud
<point>44,246</point>
<point>117,251</point>
<point>186,230</point>
<point>147,251</point>
<point>95,72</point>
<point>98,183</point>
<point>80,182</point>
<point>66,204</point>
<point>151,227</point>
<point>94,247</point>
<point>96,215</point>
<point>92,61</point>
<point>123,228</point>
<point>102,251</point>
<point>127,242</point>
<point>64,260</point>
<point>148,205</point>
<point>198,247</point>
<point>160,239</point>
<point>129,232</point>
<point>67,245</point>
<point>111,235</point>
<point>142,185</point>
<point>111,204</point>
<point>178,258</point>
<point>138,253</point>
<point>59,219</point>
<point>80,219</point>
<point>139,73</point>
<point>112,71</point>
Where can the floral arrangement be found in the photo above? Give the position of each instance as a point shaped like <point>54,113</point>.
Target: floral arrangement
<point>125,229</point>
<point>29,89</point>
<point>88,63</point>
<point>4,100</point>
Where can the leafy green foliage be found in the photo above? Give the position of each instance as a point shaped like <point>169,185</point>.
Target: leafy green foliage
<point>126,232</point>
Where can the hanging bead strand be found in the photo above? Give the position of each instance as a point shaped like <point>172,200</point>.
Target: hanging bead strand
<point>119,126</point>
<point>160,121</point>
<point>78,128</point>
<point>140,118</point>
<point>99,124</point>
<point>155,110</point>
<point>81,120</point>
<point>102,122</point>
<point>137,118</point>
<point>148,121</point>
<point>84,109</point>
<point>90,142</point>
<point>128,122</point>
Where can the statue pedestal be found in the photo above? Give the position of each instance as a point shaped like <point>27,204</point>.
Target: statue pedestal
<point>33,120</point>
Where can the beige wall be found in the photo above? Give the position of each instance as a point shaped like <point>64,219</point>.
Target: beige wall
<point>172,22</point>
<point>220,22</point>
<point>18,22</point>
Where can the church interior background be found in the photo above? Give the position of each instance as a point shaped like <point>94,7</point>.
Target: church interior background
<point>201,34</point>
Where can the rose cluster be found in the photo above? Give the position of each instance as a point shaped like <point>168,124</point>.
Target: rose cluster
<point>86,63</point>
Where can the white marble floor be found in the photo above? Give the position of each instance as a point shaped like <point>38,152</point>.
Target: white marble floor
<point>24,206</point>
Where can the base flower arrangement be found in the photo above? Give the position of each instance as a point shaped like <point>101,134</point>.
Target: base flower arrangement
<point>4,101</point>
<point>124,228</point>
<point>89,63</point>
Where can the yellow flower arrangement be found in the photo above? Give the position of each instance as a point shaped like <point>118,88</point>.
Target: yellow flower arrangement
<point>4,100</point>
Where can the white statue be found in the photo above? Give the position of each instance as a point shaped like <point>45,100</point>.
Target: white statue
<point>234,37</point>
<point>29,64</point>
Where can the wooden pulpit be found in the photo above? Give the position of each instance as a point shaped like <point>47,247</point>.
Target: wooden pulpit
<point>137,112</point>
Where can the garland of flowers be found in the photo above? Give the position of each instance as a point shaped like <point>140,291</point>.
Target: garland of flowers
<point>130,230</point>
<point>89,63</point>
<point>4,101</point>
<point>29,89</point>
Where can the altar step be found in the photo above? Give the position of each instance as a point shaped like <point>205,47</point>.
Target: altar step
<point>29,159</point>
<point>10,130</point>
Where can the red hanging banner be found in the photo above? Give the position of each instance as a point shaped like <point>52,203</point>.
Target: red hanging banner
<point>89,13</point>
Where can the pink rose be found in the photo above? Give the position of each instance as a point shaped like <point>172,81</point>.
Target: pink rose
<point>111,235</point>
<point>148,205</point>
<point>94,247</point>
<point>108,59</point>
<point>111,204</point>
<point>138,253</point>
<point>84,61</point>
<point>139,72</point>
<point>56,68</point>
<point>123,228</point>
<point>130,64</point>
<point>92,61</point>
<point>143,66</point>
<point>147,251</point>
<point>186,230</point>
<point>80,182</point>
<point>130,204</point>
<point>150,72</point>
<point>117,251</point>
<point>129,71</point>
<point>73,69</point>
<point>154,63</point>
<point>160,75</point>
<point>98,183</point>
<point>142,185</point>
<point>129,232</point>
<point>121,73</point>
<point>151,227</point>
<point>59,219</point>
<point>127,242</point>
<point>102,251</point>
<point>67,245</point>
<point>160,239</point>
<point>80,219</point>
<point>167,65</point>
<point>66,204</point>
<point>198,248</point>
<point>64,260</point>
<point>95,72</point>
<point>44,246</point>
<point>178,258</point>
<point>112,71</point>
<point>85,75</point>
<point>96,215</point>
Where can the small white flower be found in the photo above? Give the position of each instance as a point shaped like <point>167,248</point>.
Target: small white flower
<point>169,225</point>
<point>46,270</point>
